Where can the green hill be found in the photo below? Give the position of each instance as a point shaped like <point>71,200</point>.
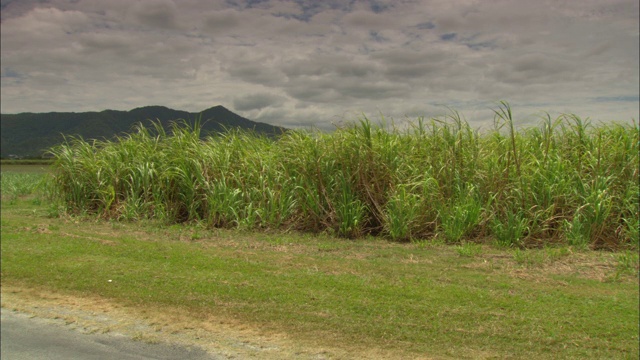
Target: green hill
<point>30,134</point>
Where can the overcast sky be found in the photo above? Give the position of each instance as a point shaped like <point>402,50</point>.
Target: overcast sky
<point>302,63</point>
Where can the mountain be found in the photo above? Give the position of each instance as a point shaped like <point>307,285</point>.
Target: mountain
<point>30,134</point>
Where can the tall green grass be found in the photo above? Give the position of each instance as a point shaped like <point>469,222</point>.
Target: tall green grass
<point>565,180</point>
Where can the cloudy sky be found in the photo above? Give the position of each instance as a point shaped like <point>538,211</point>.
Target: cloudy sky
<point>303,63</point>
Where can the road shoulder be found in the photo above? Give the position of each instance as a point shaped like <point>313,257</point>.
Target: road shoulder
<point>221,338</point>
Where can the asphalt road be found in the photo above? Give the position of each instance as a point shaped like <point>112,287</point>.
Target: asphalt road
<point>23,337</point>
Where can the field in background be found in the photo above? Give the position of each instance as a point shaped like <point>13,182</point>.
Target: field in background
<point>19,167</point>
<point>565,181</point>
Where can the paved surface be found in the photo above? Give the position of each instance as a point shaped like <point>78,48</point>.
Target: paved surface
<point>24,337</point>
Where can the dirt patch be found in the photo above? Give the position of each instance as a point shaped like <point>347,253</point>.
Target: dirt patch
<point>223,337</point>
<point>537,266</point>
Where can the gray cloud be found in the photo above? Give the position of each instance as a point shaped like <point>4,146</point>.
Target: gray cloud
<point>297,63</point>
<point>257,101</point>
<point>222,21</point>
<point>255,71</point>
<point>534,69</point>
<point>156,13</point>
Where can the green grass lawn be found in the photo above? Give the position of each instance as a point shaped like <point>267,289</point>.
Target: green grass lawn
<point>424,298</point>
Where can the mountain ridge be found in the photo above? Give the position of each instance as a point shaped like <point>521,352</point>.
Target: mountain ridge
<point>30,134</point>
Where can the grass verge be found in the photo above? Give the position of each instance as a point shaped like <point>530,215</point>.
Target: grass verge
<point>414,299</point>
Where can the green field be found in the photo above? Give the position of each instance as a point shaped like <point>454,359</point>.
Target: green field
<point>439,296</point>
<point>564,181</point>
